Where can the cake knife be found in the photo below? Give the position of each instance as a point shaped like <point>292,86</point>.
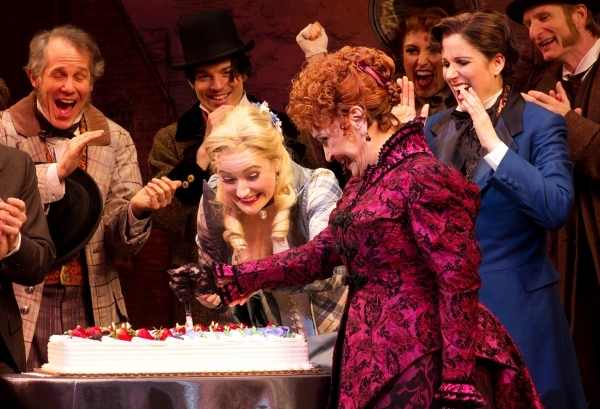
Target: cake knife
<point>189,323</point>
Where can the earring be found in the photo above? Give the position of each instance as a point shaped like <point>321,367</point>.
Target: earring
<point>368,138</point>
<point>277,178</point>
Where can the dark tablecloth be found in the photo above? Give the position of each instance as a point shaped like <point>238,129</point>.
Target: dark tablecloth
<point>169,392</point>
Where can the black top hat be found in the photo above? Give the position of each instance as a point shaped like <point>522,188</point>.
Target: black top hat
<point>209,37</point>
<point>73,220</point>
<point>515,9</point>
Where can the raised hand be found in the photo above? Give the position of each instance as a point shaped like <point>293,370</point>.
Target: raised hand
<point>405,110</point>
<point>313,40</point>
<point>70,159</point>
<point>481,120</point>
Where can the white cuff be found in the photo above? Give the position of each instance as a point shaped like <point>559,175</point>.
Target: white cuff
<point>55,189</point>
<point>495,157</point>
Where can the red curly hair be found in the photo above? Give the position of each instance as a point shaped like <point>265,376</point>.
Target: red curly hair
<point>326,89</point>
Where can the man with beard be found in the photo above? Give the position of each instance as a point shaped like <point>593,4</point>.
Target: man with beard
<point>565,32</point>
<point>62,132</point>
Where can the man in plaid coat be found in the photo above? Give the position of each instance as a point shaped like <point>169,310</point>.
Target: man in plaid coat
<point>57,125</point>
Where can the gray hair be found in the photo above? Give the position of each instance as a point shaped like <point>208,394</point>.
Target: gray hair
<point>75,36</point>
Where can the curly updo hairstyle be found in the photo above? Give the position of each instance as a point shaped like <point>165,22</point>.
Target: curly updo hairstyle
<point>244,127</point>
<point>326,89</point>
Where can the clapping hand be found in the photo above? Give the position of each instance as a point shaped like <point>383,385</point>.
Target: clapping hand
<point>12,218</point>
<point>157,194</point>
<point>74,151</point>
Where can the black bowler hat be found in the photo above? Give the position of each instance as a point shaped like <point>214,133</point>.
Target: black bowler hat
<point>73,220</point>
<point>209,37</point>
<point>517,8</point>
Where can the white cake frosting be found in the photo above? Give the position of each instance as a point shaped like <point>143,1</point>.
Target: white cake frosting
<point>197,351</point>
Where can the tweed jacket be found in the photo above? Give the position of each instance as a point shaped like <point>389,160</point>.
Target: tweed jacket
<point>29,264</point>
<point>584,145</point>
<point>317,194</point>
<point>112,163</point>
<point>405,234</point>
<point>530,192</point>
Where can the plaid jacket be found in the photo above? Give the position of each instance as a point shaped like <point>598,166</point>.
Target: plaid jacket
<point>112,163</point>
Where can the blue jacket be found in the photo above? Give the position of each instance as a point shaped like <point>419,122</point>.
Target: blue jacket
<point>530,192</point>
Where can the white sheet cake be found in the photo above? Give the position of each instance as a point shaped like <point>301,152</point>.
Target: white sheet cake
<point>198,351</point>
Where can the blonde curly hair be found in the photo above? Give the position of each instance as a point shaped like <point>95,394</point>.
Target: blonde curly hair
<point>245,127</point>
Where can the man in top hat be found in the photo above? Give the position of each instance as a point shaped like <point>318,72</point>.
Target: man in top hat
<point>58,127</point>
<point>565,31</point>
<point>216,68</point>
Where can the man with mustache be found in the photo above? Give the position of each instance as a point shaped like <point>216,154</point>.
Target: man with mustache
<point>565,32</point>
<point>62,132</point>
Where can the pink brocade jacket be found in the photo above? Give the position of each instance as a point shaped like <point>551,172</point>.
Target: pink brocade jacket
<point>405,233</point>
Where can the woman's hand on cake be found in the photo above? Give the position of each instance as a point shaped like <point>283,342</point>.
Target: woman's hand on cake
<point>214,302</point>
<point>192,277</point>
<point>179,282</point>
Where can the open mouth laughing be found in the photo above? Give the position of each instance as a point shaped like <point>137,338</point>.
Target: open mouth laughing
<point>424,78</point>
<point>542,45</point>
<point>65,106</point>
<point>461,87</point>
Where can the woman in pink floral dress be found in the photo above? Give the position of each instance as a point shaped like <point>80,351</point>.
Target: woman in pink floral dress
<point>413,334</point>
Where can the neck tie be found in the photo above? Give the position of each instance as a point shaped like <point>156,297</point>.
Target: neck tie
<point>572,84</point>
<point>49,130</point>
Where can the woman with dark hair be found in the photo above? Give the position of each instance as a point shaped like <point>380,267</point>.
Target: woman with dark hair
<point>516,152</point>
<point>404,229</point>
<point>421,62</point>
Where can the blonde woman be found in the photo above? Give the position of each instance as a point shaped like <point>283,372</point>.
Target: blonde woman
<point>258,203</point>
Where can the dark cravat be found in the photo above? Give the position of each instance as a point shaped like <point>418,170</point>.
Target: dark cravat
<point>50,131</point>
